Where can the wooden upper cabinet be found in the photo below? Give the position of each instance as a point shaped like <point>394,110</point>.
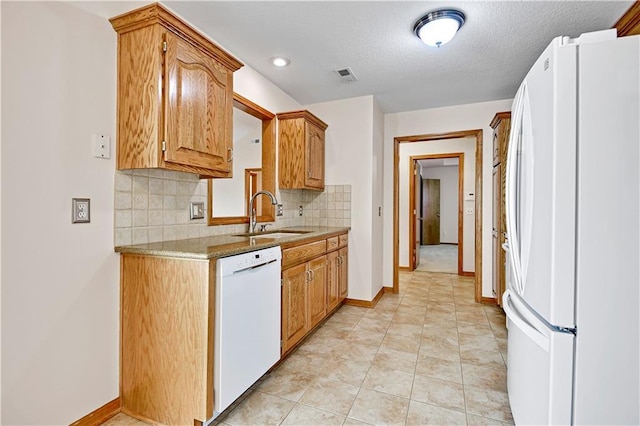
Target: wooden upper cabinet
<point>501,125</point>
<point>301,151</point>
<point>175,96</point>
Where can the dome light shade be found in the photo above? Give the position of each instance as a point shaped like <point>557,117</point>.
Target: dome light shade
<point>280,61</point>
<point>438,27</point>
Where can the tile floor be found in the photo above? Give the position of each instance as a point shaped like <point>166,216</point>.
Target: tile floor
<point>427,356</point>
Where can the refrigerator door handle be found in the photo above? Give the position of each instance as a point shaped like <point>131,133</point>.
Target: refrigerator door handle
<point>515,138</point>
<point>519,321</point>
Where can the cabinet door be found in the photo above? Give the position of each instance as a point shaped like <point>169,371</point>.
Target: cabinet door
<point>199,101</point>
<point>294,302</point>
<point>314,156</point>
<point>343,272</point>
<point>333,290</point>
<point>317,298</point>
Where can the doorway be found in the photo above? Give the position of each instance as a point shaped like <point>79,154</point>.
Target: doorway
<point>425,233</point>
<point>477,135</point>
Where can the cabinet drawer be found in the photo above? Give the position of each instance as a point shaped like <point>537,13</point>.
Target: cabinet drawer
<point>343,240</point>
<point>304,252</point>
<point>332,243</point>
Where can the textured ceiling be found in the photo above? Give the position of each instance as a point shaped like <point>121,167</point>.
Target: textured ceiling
<point>485,61</point>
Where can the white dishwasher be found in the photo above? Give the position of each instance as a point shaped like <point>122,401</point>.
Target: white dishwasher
<point>247,322</point>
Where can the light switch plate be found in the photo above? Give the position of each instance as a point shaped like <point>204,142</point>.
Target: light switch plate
<point>196,210</point>
<point>101,146</point>
<point>279,210</point>
<point>80,210</point>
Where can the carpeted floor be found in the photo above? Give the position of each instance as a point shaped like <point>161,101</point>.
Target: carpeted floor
<point>439,258</point>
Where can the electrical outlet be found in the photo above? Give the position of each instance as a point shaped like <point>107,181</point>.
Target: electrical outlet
<point>279,210</point>
<point>196,210</point>
<point>300,211</point>
<point>80,210</point>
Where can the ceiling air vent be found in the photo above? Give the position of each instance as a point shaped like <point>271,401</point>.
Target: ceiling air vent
<point>346,75</point>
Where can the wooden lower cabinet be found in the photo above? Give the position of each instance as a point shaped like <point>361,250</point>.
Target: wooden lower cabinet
<point>167,326</point>
<point>294,301</point>
<point>312,289</point>
<point>343,273</point>
<point>317,285</point>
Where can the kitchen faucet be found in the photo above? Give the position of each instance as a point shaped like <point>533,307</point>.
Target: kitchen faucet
<point>253,220</point>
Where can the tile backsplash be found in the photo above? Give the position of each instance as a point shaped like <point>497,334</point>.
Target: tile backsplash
<point>153,205</point>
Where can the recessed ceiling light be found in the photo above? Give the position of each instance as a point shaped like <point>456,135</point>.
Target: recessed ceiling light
<point>280,61</point>
<point>438,27</point>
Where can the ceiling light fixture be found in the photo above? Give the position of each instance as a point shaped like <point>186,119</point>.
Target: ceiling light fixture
<point>438,27</point>
<point>280,61</point>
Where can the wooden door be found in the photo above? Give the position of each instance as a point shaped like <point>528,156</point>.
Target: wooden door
<point>314,156</point>
<point>294,305</point>
<point>431,211</point>
<point>333,290</point>
<point>317,297</point>
<point>496,219</point>
<point>199,101</point>
<point>343,273</point>
<point>417,214</point>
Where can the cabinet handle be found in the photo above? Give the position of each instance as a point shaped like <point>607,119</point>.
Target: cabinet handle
<point>230,155</point>
<point>313,275</point>
<point>308,273</point>
<point>339,258</point>
<point>308,173</point>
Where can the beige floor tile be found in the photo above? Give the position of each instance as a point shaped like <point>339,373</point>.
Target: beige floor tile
<point>485,377</point>
<point>394,382</point>
<point>395,360</point>
<point>479,357</point>
<point>487,403</point>
<point>483,421</point>
<point>347,371</point>
<point>330,395</point>
<point>372,324</point>
<point>366,337</point>
<point>379,408</point>
<point>499,331</point>
<point>475,328</point>
<point>321,345</point>
<point>439,349</point>
<point>304,362</point>
<point>438,392</point>
<point>439,330</point>
<point>401,343</point>
<point>357,351</point>
<point>260,408</point>
<point>286,384</point>
<point>414,310</point>
<point>442,308</point>
<point>426,414</point>
<point>486,342</point>
<point>304,415</point>
<point>382,315</point>
<point>408,318</point>
<point>353,422</point>
<point>406,330</point>
<point>354,310</point>
<point>439,368</point>
<point>347,321</point>
<point>332,332</point>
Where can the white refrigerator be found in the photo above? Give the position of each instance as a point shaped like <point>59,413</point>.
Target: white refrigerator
<point>573,224</point>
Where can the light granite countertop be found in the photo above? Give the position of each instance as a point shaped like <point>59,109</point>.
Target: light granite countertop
<point>228,245</point>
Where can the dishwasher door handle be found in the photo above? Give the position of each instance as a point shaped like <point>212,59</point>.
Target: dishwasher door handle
<point>254,266</point>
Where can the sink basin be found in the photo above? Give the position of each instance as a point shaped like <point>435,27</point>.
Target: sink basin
<point>273,234</point>
<point>278,235</point>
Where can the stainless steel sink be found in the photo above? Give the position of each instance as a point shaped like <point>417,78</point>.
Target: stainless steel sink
<point>273,234</point>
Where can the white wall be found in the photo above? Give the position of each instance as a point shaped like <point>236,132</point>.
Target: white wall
<point>377,200</point>
<point>349,160</point>
<point>60,281</point>
<point>441,120</point>
<point>466,146</point>
<point>448,177</point>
